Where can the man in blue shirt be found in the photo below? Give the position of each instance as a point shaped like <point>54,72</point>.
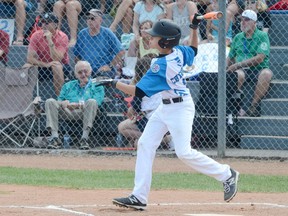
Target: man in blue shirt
<point>78,99</point>
<point>99,46</point>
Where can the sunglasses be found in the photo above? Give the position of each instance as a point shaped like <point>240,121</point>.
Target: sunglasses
<point>83,71</point>
<point>91,18</point>
<point>45,22</point>
<point>245,19</point>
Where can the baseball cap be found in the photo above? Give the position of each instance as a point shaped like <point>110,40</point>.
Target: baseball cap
<point>95,12</point>
<point>50,17</point>
<point>250,14</point>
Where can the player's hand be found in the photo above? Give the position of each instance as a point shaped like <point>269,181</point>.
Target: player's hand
<point>195,22</point>
<point>110,83</point>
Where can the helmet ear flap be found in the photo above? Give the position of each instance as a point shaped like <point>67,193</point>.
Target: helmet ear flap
<point>163,43</point>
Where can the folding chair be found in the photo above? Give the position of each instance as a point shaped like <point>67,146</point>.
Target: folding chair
<point>17,114</point>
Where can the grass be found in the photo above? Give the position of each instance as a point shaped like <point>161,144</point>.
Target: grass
<point>79,179</point>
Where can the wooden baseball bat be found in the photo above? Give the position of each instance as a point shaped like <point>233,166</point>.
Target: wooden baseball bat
<point>214,15</point>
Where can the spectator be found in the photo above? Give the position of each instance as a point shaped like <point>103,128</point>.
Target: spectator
<point>202,8</point>
<point>124,14</point>
<point>147,10</point>
<point>141,109</point>
<point>261,8</point>
<point>180,12</point>
<point>72,9</point>
<point>140,47</point>
<point>79,99</point>
<point>213,25</point>
<point>99,46</point>
<point>249,57</point>
<point>4,47</point>
<point>234,8</point>
<point>19,8</point>
<point>167,2</point>
<point>48,49</point>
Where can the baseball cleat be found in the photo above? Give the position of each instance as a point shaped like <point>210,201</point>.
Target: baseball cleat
<point>129,202</point>
<point>230,186</point>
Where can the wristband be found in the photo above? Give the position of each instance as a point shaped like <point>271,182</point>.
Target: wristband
<point>192,26</point>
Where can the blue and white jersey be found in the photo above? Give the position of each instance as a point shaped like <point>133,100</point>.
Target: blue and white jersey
<point>165,74</point>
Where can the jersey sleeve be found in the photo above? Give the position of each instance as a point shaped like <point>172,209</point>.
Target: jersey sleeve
<point>188,54</point>
<point>154,80</point>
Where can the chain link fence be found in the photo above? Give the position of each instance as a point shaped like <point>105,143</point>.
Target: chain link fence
<point>24,92</point>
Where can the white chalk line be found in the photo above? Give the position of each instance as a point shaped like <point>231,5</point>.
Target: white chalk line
<point>64,208</point>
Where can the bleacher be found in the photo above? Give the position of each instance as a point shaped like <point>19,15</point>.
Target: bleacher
<point>270,128</point>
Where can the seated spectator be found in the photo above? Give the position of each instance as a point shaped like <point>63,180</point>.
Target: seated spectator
<point>79,99</point>
<point>147,10</point>
<point>180,12</point>
<point>140,47</point>
<point>124,14</point>
<point>99,46</point>
<point>261,8</point>
<point>19,9</point>
<point>141,109</point>
<point>48,49</point>
<point>213,25</point>
<point>4,47</point>
<point>249,57</point>
<point>72,9</point>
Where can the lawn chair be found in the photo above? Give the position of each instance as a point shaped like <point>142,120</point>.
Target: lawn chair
<point>17,114</point>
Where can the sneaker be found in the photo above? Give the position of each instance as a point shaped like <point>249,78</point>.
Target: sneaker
<point>230,186</point>
<point>129,202</point>
<point>84,144</point>
<point>54,143</point>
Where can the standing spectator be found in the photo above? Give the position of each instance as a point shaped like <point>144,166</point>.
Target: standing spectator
<point>261,8</point>
<point>99,46</point>
<point>147,10</point>
<point>4,47</point>
<point>249,57</point>
<point>140,47</point>
<point>202,8</point>
<point>79,99</point>
<point>124,15</point>
<point>213,25</point>
<point>19,8</point>
<point>48,49</point>
<point>72,9</point>
<point>234,8</point>
<point>180,12</point>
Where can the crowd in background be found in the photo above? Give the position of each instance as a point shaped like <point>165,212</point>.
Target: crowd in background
<point>106,48</point>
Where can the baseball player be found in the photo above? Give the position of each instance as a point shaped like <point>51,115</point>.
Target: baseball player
<point>175,114</point>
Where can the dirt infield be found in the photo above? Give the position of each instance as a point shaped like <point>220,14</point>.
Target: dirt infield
<point>40,201</point>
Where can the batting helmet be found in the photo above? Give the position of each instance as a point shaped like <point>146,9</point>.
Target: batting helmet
<point>169,32</point>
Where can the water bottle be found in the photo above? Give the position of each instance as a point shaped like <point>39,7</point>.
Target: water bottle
<point>119,140</point>
<point>66,141</point>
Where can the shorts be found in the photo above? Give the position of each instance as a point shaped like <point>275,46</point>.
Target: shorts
<point>46,73</point>
<point>251,75</point>
<point>10,9</point>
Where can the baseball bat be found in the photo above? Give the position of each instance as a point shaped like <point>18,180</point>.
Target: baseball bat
<point>214,15</point>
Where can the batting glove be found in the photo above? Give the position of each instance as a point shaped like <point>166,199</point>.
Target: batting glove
<point>195,22</point>
<point>111,83</point>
